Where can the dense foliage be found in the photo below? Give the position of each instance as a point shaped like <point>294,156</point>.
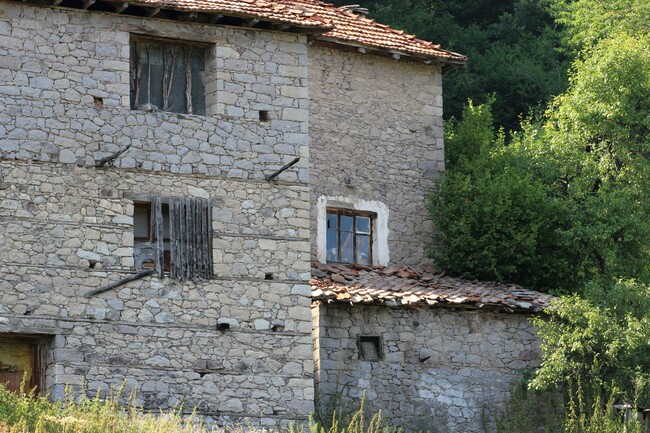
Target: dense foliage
<point>566,201</point>
<point>512,46</point>
<point>563,206</point>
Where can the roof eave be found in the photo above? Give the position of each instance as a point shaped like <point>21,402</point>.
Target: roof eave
<point>173,12</point>
<point>467,306</point>
<point>447,63</point>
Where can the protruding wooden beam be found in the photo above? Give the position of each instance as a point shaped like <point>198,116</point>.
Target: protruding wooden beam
<point>56,2</point>
<point>362,50</point>
<point>118,283</point>
<point>121,7</point>
<point>283,27</point>
<point>270,177</point>
<point>396,56</point>
<point>153,12</point>
<point>215,18</point>
<point>88,3</point>
<point>252,22</point>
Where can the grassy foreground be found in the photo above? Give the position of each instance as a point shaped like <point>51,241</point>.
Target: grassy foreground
<point>28,414</point>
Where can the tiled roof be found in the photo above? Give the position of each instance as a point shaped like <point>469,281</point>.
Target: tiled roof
<point>338,25</point>
<point>349,26</point>
<point>408,287</point>
<point>270,10</point>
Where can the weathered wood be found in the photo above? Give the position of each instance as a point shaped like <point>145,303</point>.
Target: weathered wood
<point>188,239</point>
<point>173,221</point>
<point>188,82</point>
<point>121,7</point>
<point>286,166</point>
<point>118,283</point>
<point>209,273</point>
<point>191,233</point>
<point>215,18</point>
<point>199,234</point>
<point>157,233</point>
<point>102,162</point>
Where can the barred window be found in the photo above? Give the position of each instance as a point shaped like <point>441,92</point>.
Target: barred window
<point>174,235</point>
<point>168,75</point>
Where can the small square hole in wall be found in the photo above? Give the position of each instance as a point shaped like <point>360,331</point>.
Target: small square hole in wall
<point>264,116</point>
<point>370,347</point>
<point>99,102</point>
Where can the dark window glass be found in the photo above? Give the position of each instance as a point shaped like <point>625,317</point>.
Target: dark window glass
<point>168,75</point>
<point>349,237</point>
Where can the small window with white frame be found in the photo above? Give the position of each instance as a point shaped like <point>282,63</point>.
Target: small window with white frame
<point>349,236</point>
<point>352,230</point>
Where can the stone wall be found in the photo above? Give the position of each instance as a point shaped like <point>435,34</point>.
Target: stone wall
<point>66,227</point>
<point>55,64</point>
<point>376,135</point>
<point>440,368</point>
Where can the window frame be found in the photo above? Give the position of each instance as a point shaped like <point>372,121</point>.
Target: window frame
<point>151,237</point>
<point>189,256</point>
<point>134,70</point>
<point>376,341</point>
<point>339,212</point>
<point>37,346</point>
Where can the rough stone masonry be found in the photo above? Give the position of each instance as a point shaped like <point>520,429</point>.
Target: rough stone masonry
<point>236,346</point>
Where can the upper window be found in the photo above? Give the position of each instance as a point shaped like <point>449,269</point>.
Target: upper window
<point>174,235</point>
<point>168,75</point>
<point>349,237</point>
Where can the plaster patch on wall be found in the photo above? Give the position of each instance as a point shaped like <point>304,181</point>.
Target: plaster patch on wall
<point>380,253</point>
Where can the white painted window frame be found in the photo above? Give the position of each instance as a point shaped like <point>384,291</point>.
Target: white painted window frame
<point>380,252</point>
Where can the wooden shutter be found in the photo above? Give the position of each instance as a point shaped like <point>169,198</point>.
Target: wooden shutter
<point>190,232</point>
<point>157,234</point>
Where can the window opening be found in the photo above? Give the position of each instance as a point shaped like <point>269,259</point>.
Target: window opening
<point>168,75</point>
<point>174,236</point>
<point>370,347</point>
<point>264,116</point>
<point>349,237</point>
<point>22,358</point>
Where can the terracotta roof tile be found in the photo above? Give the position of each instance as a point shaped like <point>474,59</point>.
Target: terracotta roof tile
<point>270,10</point>
<point>403,286</point>
<point>337,25</point>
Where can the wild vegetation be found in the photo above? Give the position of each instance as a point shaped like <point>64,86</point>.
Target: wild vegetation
<point>563,206</point>
<point>27,413</point>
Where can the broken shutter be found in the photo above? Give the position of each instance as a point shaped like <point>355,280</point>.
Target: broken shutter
<point>190,232</point>
<point>157,234</point>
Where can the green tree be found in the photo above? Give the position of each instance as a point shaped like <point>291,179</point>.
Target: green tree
<point>565,202</point>
<point>598,341</point>
<point>512,48</point>
<point>496,218</point>
<point>586,22</point>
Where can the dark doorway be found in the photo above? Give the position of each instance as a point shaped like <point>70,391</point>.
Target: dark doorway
<point>22,359</point>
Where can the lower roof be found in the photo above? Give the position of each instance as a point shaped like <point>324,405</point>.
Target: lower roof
<point>396,286</point>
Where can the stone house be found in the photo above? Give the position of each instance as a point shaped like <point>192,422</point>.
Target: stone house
<point>169,171</point>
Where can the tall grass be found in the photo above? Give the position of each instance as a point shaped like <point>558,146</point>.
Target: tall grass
<point>27,413</point>
<point>341,421</point>
<point>574,411</point>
